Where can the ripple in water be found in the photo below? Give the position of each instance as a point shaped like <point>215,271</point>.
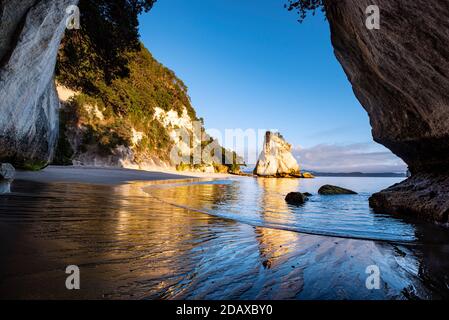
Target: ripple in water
<point>261,202</point>
<point>132,244</point>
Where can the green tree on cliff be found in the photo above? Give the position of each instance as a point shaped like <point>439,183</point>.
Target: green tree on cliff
<point>302,7</point>
<point>109,28</point>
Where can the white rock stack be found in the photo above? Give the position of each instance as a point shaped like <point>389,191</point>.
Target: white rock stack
<point>276,159</point>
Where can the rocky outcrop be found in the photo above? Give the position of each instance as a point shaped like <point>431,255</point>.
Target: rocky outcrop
<point>132,155</point>
<point>30,34</point>
<point>296,198</point>
<point>104,129</point>
<point>328,190</point>
<point>7,174</point>
<point>276,159</point>
<point>400,74</point>
<point>424,195</point>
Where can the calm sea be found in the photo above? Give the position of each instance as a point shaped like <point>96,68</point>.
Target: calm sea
<point>216,239</point>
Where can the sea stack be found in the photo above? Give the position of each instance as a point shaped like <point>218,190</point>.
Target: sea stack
<point>276,159</point>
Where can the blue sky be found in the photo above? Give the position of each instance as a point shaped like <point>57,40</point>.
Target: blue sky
<point>250,64</point>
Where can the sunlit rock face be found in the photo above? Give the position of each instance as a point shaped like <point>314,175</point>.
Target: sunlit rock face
<point>276,158</point>
<point>30,34</point>
<point>400,74</point>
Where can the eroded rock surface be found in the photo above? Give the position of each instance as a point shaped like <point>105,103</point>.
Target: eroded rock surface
<point>400,74</point>
<point>276,159</point>
<point>425,195</point>
<point>30,34</point>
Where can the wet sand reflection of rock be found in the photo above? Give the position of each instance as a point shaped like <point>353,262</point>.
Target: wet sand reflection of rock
<point>276,245</point>
<point>271,202</point>
<point>134,244</point>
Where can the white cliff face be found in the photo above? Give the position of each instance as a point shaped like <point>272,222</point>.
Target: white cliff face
<point>129,157</point>
<point>171,119</point>
<point>64,93</point>
<point>177,126</point>
<point>30,34</point>
<point>276,158</point>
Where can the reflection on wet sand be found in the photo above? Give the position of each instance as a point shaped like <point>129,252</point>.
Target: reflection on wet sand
<point>130,242</point>
<point>275,244</point>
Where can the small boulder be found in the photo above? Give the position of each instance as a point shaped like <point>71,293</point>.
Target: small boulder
<point>7,174</point>
<point>334,190</point>
<point>295,198</point>
<point>307,194</point>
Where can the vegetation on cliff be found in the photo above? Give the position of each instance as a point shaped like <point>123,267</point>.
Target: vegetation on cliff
<point>303,7</point>
<point>121,90</point>
<point>126,104</point>
<point>95,52</point>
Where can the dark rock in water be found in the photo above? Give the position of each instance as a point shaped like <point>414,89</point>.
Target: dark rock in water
<point>7,174</point>
<point>334,190</point>
<point>307,194</point>
<point>423,195</point>
<point>296,198</point>
<point>403,83</point>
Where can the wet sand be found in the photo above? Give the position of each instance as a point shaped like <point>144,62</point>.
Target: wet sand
<point>110,176</point>
<point>130,245</point>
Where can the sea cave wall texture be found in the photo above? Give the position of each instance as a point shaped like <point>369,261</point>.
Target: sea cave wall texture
<point>400,74</point>
<point>30,34</point>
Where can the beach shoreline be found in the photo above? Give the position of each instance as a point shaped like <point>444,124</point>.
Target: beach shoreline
<point>108,175</point>
<point>130,244</point>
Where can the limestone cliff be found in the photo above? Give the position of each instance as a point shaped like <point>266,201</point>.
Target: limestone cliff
<point>400,74</point>
<point>30,34</point>
<point>114,108</point>
<point>276,159</point>
<point>136,122</point>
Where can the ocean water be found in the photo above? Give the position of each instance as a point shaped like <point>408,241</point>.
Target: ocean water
<point>261,202</point>
<point>214,239</point>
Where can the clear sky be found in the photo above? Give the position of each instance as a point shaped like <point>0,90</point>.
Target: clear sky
<point>250,64</point>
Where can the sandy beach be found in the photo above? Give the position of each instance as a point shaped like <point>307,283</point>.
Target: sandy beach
<point>108,176</point>
<point>130,242</point>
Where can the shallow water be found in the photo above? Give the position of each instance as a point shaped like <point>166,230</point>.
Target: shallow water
<point>261,202</point>
<point>231,239</point>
